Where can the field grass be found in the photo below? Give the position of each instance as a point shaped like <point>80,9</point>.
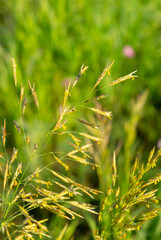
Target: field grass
<point>50,40</point>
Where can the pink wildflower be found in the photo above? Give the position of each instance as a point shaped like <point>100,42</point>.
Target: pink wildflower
<point>128,51</point>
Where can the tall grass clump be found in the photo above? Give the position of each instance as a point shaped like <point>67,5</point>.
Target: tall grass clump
<point>49,187</point>
<point>121,212</point>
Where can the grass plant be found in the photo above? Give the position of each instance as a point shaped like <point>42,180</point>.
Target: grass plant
<point>25,189</point>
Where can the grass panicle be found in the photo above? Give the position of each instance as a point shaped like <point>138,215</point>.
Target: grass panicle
<point>26,189</point>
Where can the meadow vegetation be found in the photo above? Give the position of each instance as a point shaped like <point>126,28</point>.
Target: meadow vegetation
<point>25,190</point>
<point>46,112</point>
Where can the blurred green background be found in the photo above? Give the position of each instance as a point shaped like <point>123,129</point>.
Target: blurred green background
<point>51,39</point>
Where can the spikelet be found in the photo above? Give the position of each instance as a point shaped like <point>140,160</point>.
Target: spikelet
<point>65,179</point>
<point>14,156</point>
<point>66,94</point>
<point>75,139</point>
<point>35,201</point>
<point>83,188</point>
<point>95,98</point>
<point>117,192</point>
<point>54,209</point>
<point>80,150</point>
<point>28,139</point>
<point>37,190</point>
<point>122,79</point>
<point>17,172</point>
<point>22,92</point>
<point>34,94</point>
<point>105,71</point>
<point>82,71</point>
<point>4,133</point>
<point>47,183</point>
<point>84,206</point>
<point>69,212</point>
<point>52,195</point>
<point>153,180</point>
<point>17,126</point>
<point>93,138</point>
<point>97,127</point>
<point>34,228</point>
<point>114,168</point>
<point>14,71</point>
<point>150,157</point>
<point>24,212</point>
<point>63,164</point>
<point>20,237</point>
<point>135,167</point>
<point>83,148</point>
<point>83,161</point>
<point>86,192</point>
<point>27,195</point>
<point>61,123</point>
<point>31,220</point>
<point>106,114</point>
<point>78,159</point>
<point>70,190</point>
<point>35,148</point>
<point>71,110</point>
<point>24,103</point>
